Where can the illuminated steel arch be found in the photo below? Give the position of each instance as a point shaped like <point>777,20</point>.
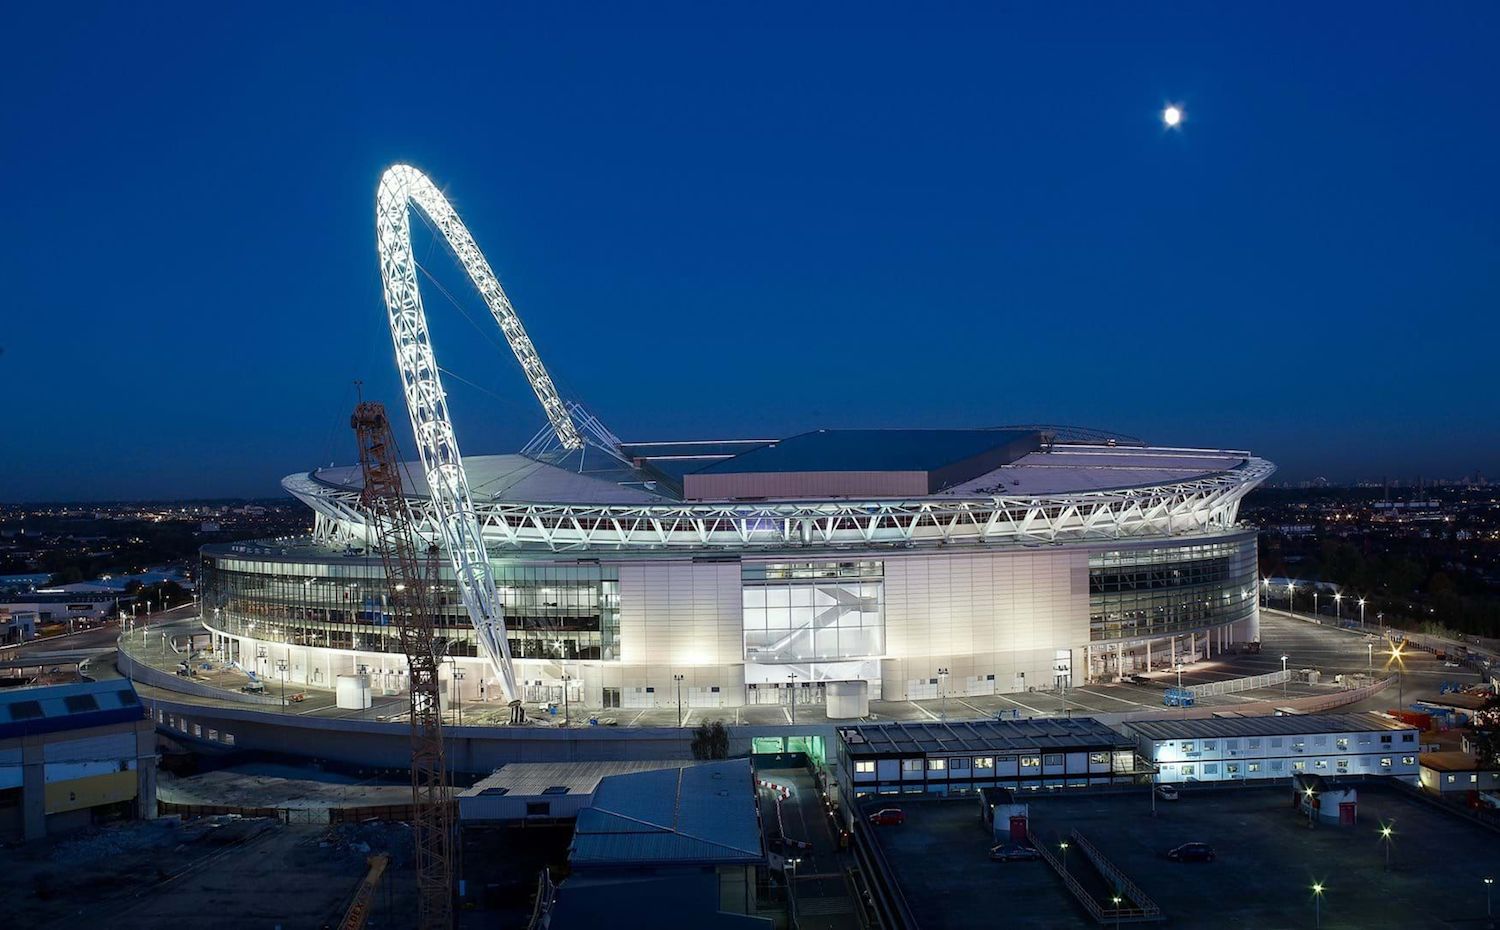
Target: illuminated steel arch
<point>400,187</point>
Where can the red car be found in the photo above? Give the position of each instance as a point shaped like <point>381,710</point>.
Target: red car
<point>889,817</point>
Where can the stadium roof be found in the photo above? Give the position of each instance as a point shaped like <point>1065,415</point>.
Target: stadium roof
<point>702,813</point>
<point>870,450</point>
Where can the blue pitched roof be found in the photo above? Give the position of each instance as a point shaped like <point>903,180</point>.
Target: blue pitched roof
<point>36,709</point>
<point>694,814</point>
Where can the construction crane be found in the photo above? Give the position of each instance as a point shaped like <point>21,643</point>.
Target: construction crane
<point>411,579</point>
<point>358,914</point>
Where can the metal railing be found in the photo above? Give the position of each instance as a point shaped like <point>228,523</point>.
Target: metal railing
<point>1140,907</point>
<point>1071,883</point>
<point>1235,685</point>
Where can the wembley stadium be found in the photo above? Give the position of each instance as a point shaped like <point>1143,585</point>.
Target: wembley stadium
<point>845,564</point>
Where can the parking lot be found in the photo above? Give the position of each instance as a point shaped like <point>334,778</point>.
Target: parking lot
<point>1267,860</point>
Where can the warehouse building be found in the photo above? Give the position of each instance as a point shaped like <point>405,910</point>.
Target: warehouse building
<point>1248,748</point>
<point>675,847</point>
<point>73,754</point>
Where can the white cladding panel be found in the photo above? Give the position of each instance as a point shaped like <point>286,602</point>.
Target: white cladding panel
<point>986,613</point>
<point>680,613</point>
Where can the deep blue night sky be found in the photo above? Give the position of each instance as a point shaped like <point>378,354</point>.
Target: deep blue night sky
<point>714,224</point>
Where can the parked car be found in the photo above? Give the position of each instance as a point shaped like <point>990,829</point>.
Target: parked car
<point>1140,679</point>
<point>1010,852</point>
<point>1166,793</point>
<point>888,817</point>
<point>1192,852</point>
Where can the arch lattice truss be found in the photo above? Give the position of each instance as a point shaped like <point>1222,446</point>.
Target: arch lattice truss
<point>451,512</point>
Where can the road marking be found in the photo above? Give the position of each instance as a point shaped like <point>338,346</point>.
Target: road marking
<point>1039,713</point>
<point>687,716</point>
<point>786,713</point>
<point>1113,698</point>
<point>636,719</point>
<point>924,710</point>
<point>985,714</point>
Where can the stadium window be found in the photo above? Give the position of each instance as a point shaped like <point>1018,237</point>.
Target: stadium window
<point>1252,767</point>
<point>1385,739</point>
<point>864,768</point>
<point>984,762</point>
<point>1211,768</point>
<point>1098,758</point>
<point>1408,737</point>
<point>1341,744</point>
<point>1408,760</point>
<point>1299,766</point>
<point>1052,759</point>
<point>960,764</point>
<point>1187,745</point>
<point>1385,762</point>
<point>937,765</point>
<point>1030,762</point>
<point>1188,769</point>
<point>911,765</point>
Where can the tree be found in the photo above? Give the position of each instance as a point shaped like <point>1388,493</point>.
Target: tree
<point>710,740</point>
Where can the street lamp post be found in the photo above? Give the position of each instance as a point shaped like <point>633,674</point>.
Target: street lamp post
<point>1370,655</point>
<point>1117,899</point>
<point>1489,884</point>
<point>1284,675</point>
<point>1064,847</point>
<point>458,691</point>
<point>1291,597</point>
<point>565,679</point>
<point>1315,602</point>
<point>281,670</point>
<point>793,678</point>
<point>678,679</point>
<point>1385,837</point>
<point>943,690</point>
<point>1317,904</point>
<point>1338,602</point>
<point>1361,613</point>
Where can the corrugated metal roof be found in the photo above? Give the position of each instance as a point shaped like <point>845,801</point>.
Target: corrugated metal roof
<point>1289,725</point>
<point>697,813</point>
<point>534,779</point>
<point>981,736</point>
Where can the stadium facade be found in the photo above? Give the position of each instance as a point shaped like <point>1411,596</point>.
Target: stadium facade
<point>734,571</point>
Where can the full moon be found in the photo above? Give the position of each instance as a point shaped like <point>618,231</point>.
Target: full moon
<point>1171,116</point>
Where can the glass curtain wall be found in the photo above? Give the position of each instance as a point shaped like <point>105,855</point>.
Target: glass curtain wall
<point>813,611</point>
<point>1149,592</point>
<point>551,611</point>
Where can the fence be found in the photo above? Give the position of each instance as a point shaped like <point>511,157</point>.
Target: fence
<point>284,814</point>
<point>1140,907</point>
<point>1235,685</point>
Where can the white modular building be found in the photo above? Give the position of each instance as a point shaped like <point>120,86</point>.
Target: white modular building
<point>1250,748</point>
